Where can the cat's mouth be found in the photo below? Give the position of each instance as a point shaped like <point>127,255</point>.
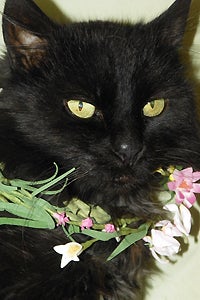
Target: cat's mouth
<point>123,179</point>
<point>128,177</point>
<point>120,191</point>
<point>125,183</point>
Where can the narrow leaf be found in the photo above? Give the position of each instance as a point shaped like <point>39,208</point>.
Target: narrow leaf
<point>100,235</point>
<point>99,215</point>
<point>7,188</point>
<point>26,223</point>
<point>24,184</point>
<point>52,183</point>
<point>73,229</point>
<point>32,213</point>
<point>76,206</point>
<point>87,244</point>
<point>129,240</point>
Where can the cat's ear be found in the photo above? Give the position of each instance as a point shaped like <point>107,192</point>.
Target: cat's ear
<point>170,26</point>
<point>25,30</point>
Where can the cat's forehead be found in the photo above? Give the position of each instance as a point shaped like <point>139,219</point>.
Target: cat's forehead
<point>104,36</point>
<point>102,49</point>
<point>105,57</point>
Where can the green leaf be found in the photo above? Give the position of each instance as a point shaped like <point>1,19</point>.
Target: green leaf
<point>7,188</point>
<point>99,215</point>
<point>100,235</point>
<point>55,192</point>
<point>19,210</point>
<point>73,229</point>
<point>88,244</point>
<point>127,221</point>
<point>26,223</point>
<point>127,230</point>
<point>25,193</point>
<point>52,183</point>
<point>28,213</point>
<point>11,197</point>
<point>24,184</point>
<point>3,199</point>
<point>73,217</point>
<point>129,240</point>
<point>78,207</point>
<point>37,202</point>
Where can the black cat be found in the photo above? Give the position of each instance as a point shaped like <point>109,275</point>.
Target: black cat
<point>110,99</point>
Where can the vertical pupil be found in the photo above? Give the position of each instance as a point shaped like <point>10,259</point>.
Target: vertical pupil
<point>80,105</point>
<point>152,103</point>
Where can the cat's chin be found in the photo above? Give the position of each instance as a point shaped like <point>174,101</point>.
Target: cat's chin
<point>126,202</point>
<point>119,195</point>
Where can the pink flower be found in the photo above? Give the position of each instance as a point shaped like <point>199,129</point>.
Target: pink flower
<point>183,184</point>
<point>86,223</point>
<point>162,245</point>
<point>61,218</point>
<point>109,228</point>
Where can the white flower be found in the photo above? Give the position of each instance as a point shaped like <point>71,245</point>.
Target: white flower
<point>182,217</point>
<point>168,228</point>
<point>162,244</point>
<point>69,251</point>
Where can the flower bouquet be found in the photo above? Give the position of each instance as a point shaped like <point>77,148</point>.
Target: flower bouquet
<point>24,201</point>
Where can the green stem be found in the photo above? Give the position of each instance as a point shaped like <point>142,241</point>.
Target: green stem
<point>3,199</point>
<point>67,234</point>
<point>11,198</point>
<point>53,182</point>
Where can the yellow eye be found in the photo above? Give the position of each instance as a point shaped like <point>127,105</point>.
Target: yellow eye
<point>81,109</point>
<point>154,108</point>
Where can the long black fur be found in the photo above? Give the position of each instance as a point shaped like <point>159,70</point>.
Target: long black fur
<point>118,67</point>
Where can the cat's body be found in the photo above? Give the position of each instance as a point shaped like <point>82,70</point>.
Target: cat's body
<point>118,68</point>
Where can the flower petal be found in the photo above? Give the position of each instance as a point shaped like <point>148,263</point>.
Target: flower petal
<point>59,249</point>
<point>172,185</point>
<point>168,228</point>
<point>110,228</point>
<point>158,258</point>
<point>196,187</point>
<point>164,244</point>
<point>186,217</point>
<point>182,217</point>
<point>69,251</point>
<point>86,223</point>
<point>196,176</point>
<point>147,239</point>
<point>189,197</point>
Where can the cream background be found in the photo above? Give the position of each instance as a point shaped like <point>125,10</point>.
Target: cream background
<point>180,280</point>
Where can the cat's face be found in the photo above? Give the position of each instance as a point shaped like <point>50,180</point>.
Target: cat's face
<point>109,99</point>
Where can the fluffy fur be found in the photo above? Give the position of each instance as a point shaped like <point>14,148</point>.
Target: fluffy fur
<point>118,68</point>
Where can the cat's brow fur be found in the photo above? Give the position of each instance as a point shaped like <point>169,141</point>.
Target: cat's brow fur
<point>118,67</point>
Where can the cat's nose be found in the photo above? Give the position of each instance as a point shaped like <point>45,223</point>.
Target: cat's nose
<point>124,152</point>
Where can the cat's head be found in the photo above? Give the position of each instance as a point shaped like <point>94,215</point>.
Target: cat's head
<point>110,99</point>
